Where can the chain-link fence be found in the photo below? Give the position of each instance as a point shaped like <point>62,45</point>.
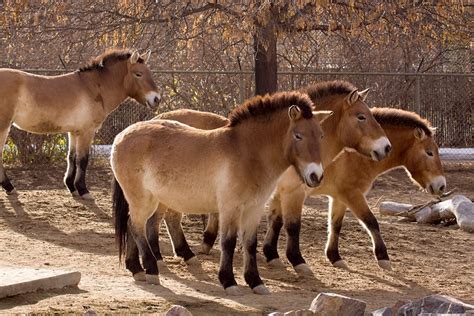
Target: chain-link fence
<point>444,99</point>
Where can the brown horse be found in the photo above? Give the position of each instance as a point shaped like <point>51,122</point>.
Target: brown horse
<point>231,170</point>
<point>348,179</point>
<point>76,103</point>
<point>352,125</point>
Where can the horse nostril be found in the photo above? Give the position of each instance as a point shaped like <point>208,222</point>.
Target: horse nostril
<point>388,148</point>
<point>157,100</point>
<point>314,177</point>
<point>441,188</point>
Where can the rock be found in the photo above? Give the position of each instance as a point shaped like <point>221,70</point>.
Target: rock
<point>299,312</point>
<point>276,314</point>
<point>434,304</point>
<point>463,209</point>
<point>393,208</point>
<point>178,310</point>
<point>331,304</point>
<point>445,209</point>
<point>386,311</point>
<point>90,312</point>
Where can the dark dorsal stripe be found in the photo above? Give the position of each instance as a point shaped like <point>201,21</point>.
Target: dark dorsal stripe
<point>261,106</point>
<point>108,58</point>
<point>325,89</point>
<point>398,117</point>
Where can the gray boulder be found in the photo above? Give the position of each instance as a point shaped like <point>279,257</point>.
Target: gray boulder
<point>178,310</point>
<point>331,304</point>
<point>437,304</point>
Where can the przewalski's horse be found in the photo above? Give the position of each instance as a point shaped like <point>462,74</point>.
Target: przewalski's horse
<point>231,170</point>
<point>348,179</point>
<point>76,103</point>
<point>352,125</point>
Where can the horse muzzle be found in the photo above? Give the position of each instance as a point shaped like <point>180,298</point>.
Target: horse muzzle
<point>381,149</point>
<point>437,185</point>
<point>152,100</point>
<point>313,174</point>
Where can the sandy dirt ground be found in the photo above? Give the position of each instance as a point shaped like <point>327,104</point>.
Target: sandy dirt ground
<point>47,228</point>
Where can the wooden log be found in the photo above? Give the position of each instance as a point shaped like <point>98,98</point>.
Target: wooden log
<point>463,209</point>
<point>427,216</point>
<point>395,209</point>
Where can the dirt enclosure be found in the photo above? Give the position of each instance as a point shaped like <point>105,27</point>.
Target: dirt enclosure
<point>45,227</point>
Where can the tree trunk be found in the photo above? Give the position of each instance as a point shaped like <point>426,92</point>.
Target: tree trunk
<point>265,45</point>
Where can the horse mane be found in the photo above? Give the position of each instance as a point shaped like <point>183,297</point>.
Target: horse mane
<point>398,117</point>
<point>108,58</point>
<point>259,106</point>
<point>328,88</point>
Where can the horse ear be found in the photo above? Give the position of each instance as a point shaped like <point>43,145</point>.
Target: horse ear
<point>321,116</point>
<point>134,57</point>
<point>294,112</point>
<point>433,129</point>
<point>146,56</point>
<point>419,133</point>
<point>363,94</point>
<point>352,97</point>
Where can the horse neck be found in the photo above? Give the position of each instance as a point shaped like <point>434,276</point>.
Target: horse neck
<point>107,85</point>
<point>401,140</point>
<point>263,141</point>
<point>331,143</point>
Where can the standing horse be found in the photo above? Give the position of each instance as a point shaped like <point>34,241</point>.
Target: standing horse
<point>76,103</point>
<point>349,178</point>
<point>231,170</point>
<point>352,125</point>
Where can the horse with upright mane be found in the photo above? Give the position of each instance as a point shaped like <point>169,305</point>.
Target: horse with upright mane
<point>231,170</point>
<point>76,103</point>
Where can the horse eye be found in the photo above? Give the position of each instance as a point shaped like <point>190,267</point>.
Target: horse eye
<point>361,117</point>
<point>138,74</point>
<point>429,153</point>
<point>298,136</point>
<point>322,136</point>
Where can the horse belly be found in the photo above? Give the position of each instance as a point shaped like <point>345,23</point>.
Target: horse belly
<point>188,202</point>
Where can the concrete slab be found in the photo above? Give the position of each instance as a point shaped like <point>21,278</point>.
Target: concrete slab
<point>14,281</point>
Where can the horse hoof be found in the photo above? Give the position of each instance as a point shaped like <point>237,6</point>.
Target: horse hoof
<point>139,277</point>
<point>261,290</point>
<point>162,266</point>
<point>153,279</point>
<point>205,249</point>
<point>193,261</point>
<point>303,269</point>
<point>385,264</point>
<point>75,194</point>
<point>87,197</point>
<point>276,263</point>
<point>12,192</point>
<point>233,291</point>
<point>341,264</point>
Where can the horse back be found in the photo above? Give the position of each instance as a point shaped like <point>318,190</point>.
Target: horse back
<point>197,119</point>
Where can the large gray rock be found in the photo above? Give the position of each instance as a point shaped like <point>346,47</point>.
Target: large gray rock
<point>463,209</point>
<point>439,304</point>
<point>331,304</point>
<point>178,310</point>
<point>385,311</point>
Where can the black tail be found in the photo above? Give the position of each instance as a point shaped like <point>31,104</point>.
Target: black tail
<point>120,211</point>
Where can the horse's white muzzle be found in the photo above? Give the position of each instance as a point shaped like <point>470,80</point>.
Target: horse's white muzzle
<point>313,174</point>
<point>381,148</point>
<point>152,99</point>
<point>437,185</point>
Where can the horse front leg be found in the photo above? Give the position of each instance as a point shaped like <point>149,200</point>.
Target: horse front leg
<point>292,207</point>
<point>4,180</point>
<point>359,207</point>
<point>249,224</point>
<point>175,231</point>
<point>83,143</point>
<point>210,233</point>
<point>337,210</point>
<point>71,164</point>
<point>274,225</point>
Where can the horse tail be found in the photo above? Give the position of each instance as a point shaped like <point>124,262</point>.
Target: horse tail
<point>120,210</point>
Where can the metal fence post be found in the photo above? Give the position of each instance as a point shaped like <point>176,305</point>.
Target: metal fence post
<point>241,88</point>
<point>417,95</point>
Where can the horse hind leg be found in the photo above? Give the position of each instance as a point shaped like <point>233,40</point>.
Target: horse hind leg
<point>228,230</point>
<point>71,164</point>
<point>175,231</point>
<point>4,180</point>
<point>210,234</point>
<point>83,144</point>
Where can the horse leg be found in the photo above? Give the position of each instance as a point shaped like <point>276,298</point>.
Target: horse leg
<point>71,164</point>
<point>132,260</point>
<point>248,224</point>
<point>359,207</point>
<point>4,180</point>
<point>292,207</point>
<point>83,143</point>
<point>175,231</point>
<point>274,225</point>
<point>337,210</point>
<point>210,234</point>
<point>228,229</point>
